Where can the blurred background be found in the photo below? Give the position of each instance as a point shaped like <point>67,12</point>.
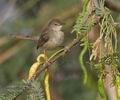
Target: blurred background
<point>29,17</point>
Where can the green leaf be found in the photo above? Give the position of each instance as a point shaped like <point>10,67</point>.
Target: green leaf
<point>101,89</point>
<point>12,91</point>
<point>35,92</point>
<point>118,86</point>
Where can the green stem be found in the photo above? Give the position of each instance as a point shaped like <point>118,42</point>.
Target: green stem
<point>85,2</point>
<point>56,53</point>
<point>82,62</point>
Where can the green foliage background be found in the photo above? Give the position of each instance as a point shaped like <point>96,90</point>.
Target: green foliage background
<point>16,56</point>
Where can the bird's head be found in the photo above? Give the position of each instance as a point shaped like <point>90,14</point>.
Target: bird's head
<point>55,24</point>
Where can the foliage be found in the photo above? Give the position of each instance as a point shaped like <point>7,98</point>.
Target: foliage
<point>35,92</point>
<point>104,51</point>
<point>30,88</point>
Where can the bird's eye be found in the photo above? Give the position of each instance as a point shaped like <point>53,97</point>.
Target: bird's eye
<point>56,24</point>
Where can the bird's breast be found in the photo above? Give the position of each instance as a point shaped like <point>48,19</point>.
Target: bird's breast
<point>55,40</point>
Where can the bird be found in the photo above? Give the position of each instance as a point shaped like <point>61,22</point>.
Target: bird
<point>51,37</point>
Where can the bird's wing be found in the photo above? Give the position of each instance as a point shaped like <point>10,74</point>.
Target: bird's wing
<point>43,39</point>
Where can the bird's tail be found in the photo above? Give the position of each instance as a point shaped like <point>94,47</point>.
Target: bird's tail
<point>26,37</point>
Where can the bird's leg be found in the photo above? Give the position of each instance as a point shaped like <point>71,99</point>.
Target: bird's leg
<point>55,54</point>
<point>46,55</point>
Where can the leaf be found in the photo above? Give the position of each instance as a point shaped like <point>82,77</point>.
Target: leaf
<point>101,89</point>
<point>118,86</point>
<point>35,92</point>
<point>12,91</point>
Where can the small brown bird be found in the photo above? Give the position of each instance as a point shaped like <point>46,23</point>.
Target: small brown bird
<point>51,37</point>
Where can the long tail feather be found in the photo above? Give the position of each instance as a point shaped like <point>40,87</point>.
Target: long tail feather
<point>27,37</point>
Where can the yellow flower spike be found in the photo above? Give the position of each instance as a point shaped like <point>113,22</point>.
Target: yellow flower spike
<point>33,70</point>
<point>46,83</point>
<point>40,60</point>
